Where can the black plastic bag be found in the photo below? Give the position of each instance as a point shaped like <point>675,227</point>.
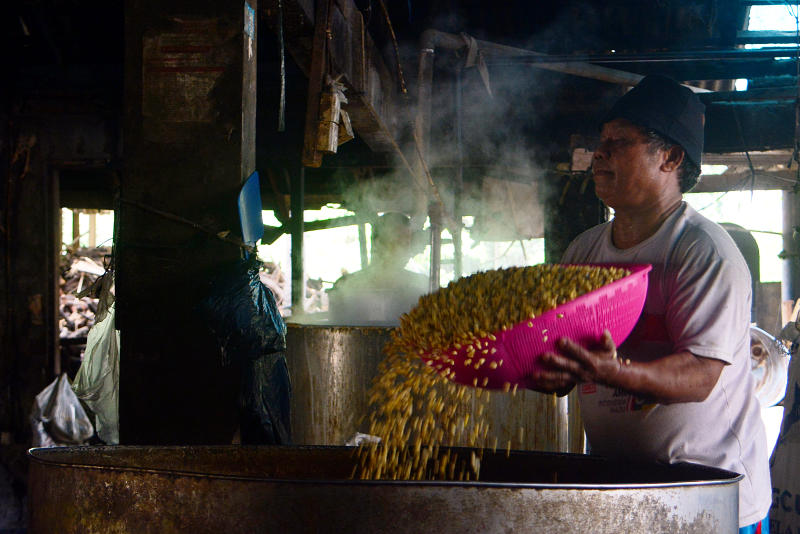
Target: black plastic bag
<point>243,317</point>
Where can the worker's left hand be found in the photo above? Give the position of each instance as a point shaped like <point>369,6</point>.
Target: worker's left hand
<point>578,364</point>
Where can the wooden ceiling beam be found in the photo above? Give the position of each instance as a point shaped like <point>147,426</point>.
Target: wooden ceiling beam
<point>765,37</point>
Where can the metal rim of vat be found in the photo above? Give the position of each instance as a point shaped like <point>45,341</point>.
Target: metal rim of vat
<point>36,455</point>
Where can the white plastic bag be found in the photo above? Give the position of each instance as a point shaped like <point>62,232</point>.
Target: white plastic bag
<point>97,381</point>
<point>58,417</point>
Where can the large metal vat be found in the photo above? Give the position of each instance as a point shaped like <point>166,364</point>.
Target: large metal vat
<point>163,490</point>
<point>332,368</point>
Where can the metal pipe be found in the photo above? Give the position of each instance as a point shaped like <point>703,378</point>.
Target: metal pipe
<point>435,214</point>
<point>422,127</point>
<point>791,254</point>
<point>458,186</point>
<point>422,123</point>
<point>431,39</point>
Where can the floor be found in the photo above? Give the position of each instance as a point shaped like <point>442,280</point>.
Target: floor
<point>13,510</point>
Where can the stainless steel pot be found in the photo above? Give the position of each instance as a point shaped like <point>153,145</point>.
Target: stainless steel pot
<point>163,490</point>
<point>332,368</point>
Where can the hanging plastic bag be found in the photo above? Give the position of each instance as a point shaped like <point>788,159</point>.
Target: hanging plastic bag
<point>58,418</point>
<point>242,314</point>
<point>97,381</point>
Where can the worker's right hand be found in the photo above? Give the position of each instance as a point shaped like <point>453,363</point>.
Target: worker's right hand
<point>551,379</point>
<point>577,364</point>
<point>600,364</point>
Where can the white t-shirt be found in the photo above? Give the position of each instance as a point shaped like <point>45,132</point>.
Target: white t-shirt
<point>698,300</point>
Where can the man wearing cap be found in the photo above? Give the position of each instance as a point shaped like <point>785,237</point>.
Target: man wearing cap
<point>385,289</point>
<point>679,389</point>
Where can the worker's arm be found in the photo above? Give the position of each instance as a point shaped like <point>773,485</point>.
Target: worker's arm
<point>678,377</point>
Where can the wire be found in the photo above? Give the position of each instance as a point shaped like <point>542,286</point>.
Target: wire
<point>400,78</point>
<point>791,11</point>
<point>282,52</point>
<point>778,178</point>
<point>737,188</point>
<point>764,232</point>
<point>752,176</point>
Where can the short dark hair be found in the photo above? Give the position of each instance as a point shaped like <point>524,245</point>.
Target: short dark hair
<point>688,172</point>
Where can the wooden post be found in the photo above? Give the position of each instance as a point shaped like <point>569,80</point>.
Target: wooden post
<point>76,227</point>
<point>298,274</point>
<point>362,244</point>
<point>92,230</point>
<point>189,129</point>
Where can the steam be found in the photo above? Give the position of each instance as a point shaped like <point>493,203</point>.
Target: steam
<point>504,172</point>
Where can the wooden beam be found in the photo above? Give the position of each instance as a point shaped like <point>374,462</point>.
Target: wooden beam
<point>316,79</point>
<point>716,70</point>
<point>740,179</point>
<point>76,225</point>
<point>736,127</point>
<point>760,159</point>
<point>751,95</point>
<point>765,37</point>
<point>764,3</point>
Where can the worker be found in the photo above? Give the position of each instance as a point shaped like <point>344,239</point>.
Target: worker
<point>385,289</point>
<point>679,389</point>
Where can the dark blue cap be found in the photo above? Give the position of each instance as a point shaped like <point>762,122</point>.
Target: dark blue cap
<point>662,104</point>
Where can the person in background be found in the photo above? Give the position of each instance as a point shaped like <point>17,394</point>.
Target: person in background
<point>385,289</point>
<point>679,389</point>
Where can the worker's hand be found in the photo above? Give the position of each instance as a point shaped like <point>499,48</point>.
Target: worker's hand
<point>551,379</point>
<point>599,365</point>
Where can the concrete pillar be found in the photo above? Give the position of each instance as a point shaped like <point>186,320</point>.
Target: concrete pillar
<point>189,131</point>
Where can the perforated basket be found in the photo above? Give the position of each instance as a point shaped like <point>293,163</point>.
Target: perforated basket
<point>615,306</point>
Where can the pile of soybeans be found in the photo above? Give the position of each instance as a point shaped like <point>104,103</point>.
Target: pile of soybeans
<point>415,410</point>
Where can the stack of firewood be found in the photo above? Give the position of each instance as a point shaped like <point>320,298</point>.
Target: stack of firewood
<point>79,271</point>
<point>76,316</point>
<point>276,281</point>
<point>315,298</point>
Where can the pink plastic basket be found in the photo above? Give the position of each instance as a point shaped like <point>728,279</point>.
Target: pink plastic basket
<point>616,307</point>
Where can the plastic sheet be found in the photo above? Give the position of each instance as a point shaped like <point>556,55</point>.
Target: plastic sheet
<point>241,313</point>
<point>785,461</point>
<point>58,418</point>
<point>97,381</point>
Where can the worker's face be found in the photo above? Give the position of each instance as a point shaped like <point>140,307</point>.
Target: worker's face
<point>394,250</point>
<point>627,172</point>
